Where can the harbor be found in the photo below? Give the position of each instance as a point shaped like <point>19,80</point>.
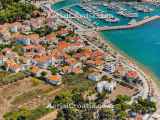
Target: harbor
<point>108,16</point>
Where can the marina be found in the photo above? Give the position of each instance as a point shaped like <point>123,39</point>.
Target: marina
<point>104,15</point>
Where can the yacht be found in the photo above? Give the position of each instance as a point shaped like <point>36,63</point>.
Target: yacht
<point>127,14</point>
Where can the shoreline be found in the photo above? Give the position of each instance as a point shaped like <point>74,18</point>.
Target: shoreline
<point>152,79</point>
<point>132,60</point>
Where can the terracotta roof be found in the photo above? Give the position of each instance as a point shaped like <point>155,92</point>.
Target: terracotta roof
<point>63,31</point>
<point>75,38</point>
<point>51,37</point>
<point>95,62</point>
<point>34,69</point>
<point>62,45</point>
<point>87,52</point>
<point>55,77</point>
<point>38,47</point>
<point>33,37</point>
<point>97,53</point>
<point>132,74</point>
<point>43,58</point>
<point>12,64</point>
<point>20,36</point>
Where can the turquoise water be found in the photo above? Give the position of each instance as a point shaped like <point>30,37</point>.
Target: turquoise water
<point>64,3</point>
<point>141,43</point>
<point>74,5</point>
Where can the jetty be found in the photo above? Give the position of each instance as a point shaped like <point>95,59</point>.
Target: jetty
<point>128,26</point>
<point>82,18</point>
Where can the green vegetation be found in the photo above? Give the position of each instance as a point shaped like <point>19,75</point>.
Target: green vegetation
<point>106,114</point>
<point>143,106</point>
<point>63,98</point>
<point>78,81</point>
<point>25,114</point>
<point>12,78</point>
<point>36,81</point>
<point>53,70</point>
<point>18,49</point>
<point>13,10</point>
<point>2,46</point>
<point>43,31</point>
<point>43,74</point>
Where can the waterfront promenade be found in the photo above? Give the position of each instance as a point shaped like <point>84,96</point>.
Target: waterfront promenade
<point>128,26</point>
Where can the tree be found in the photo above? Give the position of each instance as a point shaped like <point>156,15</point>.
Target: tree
<point>21,114</point>
<point>106,114</point>
<point>43,74</point>
<point>143,106</point>
<point>63,98</point>
<point>53,70</point>
<point>122,115</point>
<point>14,10</point>
<point>122,99</point>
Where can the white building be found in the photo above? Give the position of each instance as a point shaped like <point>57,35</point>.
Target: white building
<point>106,86</point>
<point>95,76</point>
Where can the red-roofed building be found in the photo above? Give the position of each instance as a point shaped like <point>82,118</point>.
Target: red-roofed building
<point>51,38</point>
<point>12,66</point>
<point>54,79</point>
<point>22,39</point>
<point>43,61</point>
<point>131,75</point>
<point>34,49</point>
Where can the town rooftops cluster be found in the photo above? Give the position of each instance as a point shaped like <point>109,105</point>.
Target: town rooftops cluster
<point>62,49</point>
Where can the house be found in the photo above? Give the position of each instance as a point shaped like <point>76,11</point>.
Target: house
<point>69,47</point>
<point>73,47</point>
<point>12,66</point>
<point>34,38</point>
<point>110,68</point>
<point>34,49</point>
<point>8,53</point>
<point>43,61</point>
<point>15,27</point>
<point>97,54</point>
<point>95,63</point>
<point>2,59</point>
<point>37,23</point>
<point>54,79</point>
<point>73,39</point>
<point>25,28</point>
<point>4,34</point>
<point>22,39</point>
<point>95,76</point>
<point>63,32</point>
<point>51,38</point>
<point>106,86</point>
<point>35,71</point>
<point>51,21</point>
<point>131,75</point>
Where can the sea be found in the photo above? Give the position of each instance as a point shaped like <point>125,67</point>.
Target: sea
<point>141,43</point>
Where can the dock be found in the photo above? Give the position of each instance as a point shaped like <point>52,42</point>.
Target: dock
<point>128,26</point>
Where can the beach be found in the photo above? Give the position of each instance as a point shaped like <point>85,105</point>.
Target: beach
<point>151,79</point>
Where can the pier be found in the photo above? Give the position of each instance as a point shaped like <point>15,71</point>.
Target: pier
<point>128,26</point>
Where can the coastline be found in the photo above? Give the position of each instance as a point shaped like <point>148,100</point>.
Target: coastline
<point>148,74</point>
<point>132,60</point>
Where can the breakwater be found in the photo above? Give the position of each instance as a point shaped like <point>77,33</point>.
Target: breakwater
<point>128,26</point>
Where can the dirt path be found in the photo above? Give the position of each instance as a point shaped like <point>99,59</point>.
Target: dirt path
<point>50,116</point>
